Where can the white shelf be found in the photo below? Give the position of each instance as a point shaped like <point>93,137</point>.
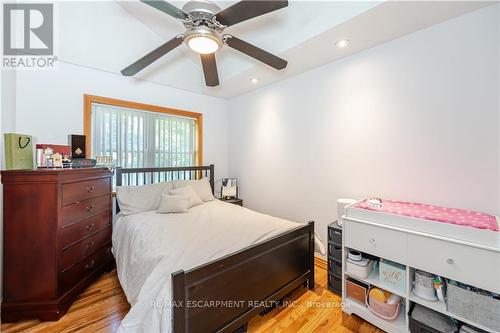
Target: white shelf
<point>436,306</point>
<point>441,308</point>
<point>397,325</point>
<point>373,279</point>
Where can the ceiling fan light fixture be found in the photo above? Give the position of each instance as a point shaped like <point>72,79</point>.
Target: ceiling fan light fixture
<point>203,40</point>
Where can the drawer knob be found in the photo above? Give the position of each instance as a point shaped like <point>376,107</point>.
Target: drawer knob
<point>89,245</point>
<point>89,226</point>
<point>450,261</point>
<point>90,264</point>
<point>372,240</point>
<point>90,188</point>
<point>90,208</point>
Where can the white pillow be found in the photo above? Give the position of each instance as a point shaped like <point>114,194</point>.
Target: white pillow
<point>173,204</point>
<point>201,187</point>
<point>193,198</point>
<point>138,199</point>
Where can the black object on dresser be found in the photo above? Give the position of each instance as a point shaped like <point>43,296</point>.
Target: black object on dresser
<point>57,238</point>
<point>235,201</point>
<point>335,258</point>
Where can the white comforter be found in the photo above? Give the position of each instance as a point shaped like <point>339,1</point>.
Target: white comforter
<point>148,247</point>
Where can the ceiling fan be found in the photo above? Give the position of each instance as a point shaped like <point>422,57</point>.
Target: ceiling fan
<point>205,22</point>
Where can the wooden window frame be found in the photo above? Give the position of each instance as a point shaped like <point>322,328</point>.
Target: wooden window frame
<point>87,110</point>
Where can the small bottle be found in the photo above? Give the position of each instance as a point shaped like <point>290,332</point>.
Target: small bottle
<point>40,158</point>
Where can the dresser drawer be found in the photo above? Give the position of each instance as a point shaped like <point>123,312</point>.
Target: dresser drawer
<point>86,208</point>
<point>470,265</point>
<point>73,192</point>
<point>77,231</point>
<point>89,265</point>
<point>379,241</point>
<point>78,251</point>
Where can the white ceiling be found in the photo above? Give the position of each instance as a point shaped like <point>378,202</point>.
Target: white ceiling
<point>109,35</point>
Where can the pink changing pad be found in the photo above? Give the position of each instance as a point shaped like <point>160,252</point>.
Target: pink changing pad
<point>461,217</point>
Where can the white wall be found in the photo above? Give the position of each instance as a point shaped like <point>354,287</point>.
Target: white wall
<point>415,119</point>
<point>49,105</point>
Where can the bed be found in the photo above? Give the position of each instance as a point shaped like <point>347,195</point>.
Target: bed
<point>209,270</point>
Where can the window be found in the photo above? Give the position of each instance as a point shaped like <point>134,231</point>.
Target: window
<point>139,135</point>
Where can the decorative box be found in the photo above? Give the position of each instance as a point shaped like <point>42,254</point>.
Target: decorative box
<point>356,290</point>
<point>392,275</point>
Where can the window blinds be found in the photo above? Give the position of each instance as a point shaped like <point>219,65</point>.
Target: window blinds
<point>137,138</point>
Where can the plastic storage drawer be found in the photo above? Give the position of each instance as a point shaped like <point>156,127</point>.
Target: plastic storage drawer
<point>335,251</point>
<point>335,267</point>
<point>335,283</point>
<point>335,235</point>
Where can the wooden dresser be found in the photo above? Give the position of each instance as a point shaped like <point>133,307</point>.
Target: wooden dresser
<point>56,238</point>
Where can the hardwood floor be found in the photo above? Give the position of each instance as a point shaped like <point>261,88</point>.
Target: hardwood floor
<point>101,307</point>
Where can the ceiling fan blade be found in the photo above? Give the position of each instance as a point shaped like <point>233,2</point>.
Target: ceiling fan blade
<point>167,8</point>
<point>152,56</point>
<point>245,10</point>
<point>210,69</point>
<point>255,52</point>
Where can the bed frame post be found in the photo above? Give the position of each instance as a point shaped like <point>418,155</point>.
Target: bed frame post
<point>178,301</point>
<point>118,176</point>
<point>311,255</point>
<point>212,177</point>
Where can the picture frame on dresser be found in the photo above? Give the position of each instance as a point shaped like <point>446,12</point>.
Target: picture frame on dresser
<point>57,238</point>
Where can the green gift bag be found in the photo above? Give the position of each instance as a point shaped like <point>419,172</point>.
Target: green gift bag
<point>18,151</point>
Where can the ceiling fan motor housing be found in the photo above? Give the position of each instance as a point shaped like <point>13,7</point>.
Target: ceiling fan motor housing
<point>202,23</point>
<point>197,7</point>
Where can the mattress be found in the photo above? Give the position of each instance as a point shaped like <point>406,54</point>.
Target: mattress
<point>148,247</point>
<point>482,232</point>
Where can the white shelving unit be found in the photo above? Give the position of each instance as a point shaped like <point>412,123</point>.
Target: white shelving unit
<point>401,323</point>
<point>464,254</point>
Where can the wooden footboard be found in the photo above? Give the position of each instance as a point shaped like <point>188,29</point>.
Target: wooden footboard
<point>225,294</point>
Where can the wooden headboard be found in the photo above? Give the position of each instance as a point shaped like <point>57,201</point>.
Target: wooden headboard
<point>145,176</point>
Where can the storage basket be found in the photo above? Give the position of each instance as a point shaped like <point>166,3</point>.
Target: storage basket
<point>360,269</point>
<point>392,276</point>
<point>382,309</point>
<point>481,309</point>
<point>429,321</point>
